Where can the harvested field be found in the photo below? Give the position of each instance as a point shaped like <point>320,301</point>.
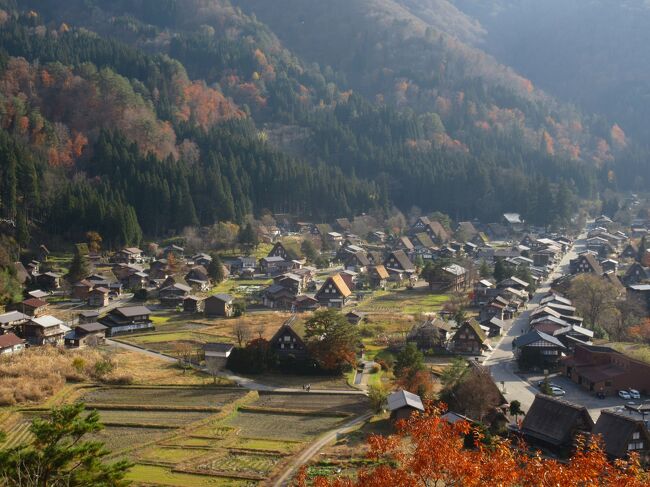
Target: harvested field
<point>353,404</point>
<point>119,438</point>
<point>166,418</point>
<point>283,427</point>
<point>268,445</point>
<point>151,474</point>
<point>170,455</point>
<point>181,396</point>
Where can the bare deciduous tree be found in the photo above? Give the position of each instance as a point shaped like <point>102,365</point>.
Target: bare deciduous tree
<point>242,333</point>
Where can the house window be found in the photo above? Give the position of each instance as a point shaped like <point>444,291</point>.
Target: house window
<point>636,435</point>
<point>287,338</point>
<point>635,445</point>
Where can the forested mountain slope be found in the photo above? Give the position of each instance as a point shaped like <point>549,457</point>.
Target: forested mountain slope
<point>151,115</point>
<point>592,52</point>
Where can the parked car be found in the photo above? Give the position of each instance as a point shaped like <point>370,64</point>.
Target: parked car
<point>624,395</point>
<point>634,393</point>
<point>557,391</point>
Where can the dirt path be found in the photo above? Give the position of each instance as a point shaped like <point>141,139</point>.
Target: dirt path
<point>315,447</point>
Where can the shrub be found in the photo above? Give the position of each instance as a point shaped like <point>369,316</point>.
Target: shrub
<point>375,369</point>
<point>79,364</point>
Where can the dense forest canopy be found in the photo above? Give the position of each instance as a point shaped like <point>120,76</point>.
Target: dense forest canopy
<point>143,117</point>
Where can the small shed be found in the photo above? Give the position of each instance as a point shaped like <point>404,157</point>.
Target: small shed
<point>402,404</point>
<point>216,355</point>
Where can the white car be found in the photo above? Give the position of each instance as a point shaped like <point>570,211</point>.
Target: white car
<point>556,391</point>
<point>634,393</point>
<point>624,395</point>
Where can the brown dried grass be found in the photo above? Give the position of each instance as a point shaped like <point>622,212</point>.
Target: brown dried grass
<point>38,373</point>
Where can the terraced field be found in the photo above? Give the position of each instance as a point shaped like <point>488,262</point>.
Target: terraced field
<point>281,426</point>
<point>170,455</point>
<point>118,438</point>
<point>166,418</point>
<point>18,434</point>
<point>199,396</point>
<point>314,402</point>
<point>239,463</point>
<point>153,474</point>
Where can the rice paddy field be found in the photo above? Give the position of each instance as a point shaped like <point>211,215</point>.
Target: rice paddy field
<point>198,435</point>
<point>292,427</point>
<point>202,436</point>
<point>164,396</point>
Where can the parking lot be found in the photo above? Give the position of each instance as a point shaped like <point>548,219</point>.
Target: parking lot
<point>577,395</point>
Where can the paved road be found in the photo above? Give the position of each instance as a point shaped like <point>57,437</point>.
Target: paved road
<point>315,447</point>
<point>502,362</point>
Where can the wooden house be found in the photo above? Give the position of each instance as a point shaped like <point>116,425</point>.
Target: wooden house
<point>586,263</point>
<point>378,277</point>
<point>129,255</point>
<point>81,289</point>
<point>49,281</point>
<point>85,334</point>
<point>469,338</point>
<point>172,296</point>
<point>98,297</point>
<point>11,344</point>
<point>219,305</point>
<point>305,303</point>
<point>553,424</point>
<point>623,434</point>
<point>33,307</point>
<point>87,316</point>
<point>278,296</point>
<point>431,334</point>
<point>334,293</point>
<point>399,265</point>
<point>128,319</point>
<point>197,277</point>
<point>636,274</point>
<point>288,343</point>
<point>537,349</point>
<point>12,321</point>
<point>403,404</point>
<point>630,251</point>
<point>44,330</point>
<point>193,304</point>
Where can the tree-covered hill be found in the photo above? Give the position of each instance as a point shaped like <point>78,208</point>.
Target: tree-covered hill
<point>146,116</point>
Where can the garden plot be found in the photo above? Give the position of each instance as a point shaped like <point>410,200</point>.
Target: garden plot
<point>281,426</point>
<point>172,396</point>
<point>236,463</point>
<point>320,403</point>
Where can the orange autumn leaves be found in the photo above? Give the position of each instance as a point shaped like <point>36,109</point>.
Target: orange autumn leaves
<point>428,451</point>
<point>59,110</point>
<point>203,105</point>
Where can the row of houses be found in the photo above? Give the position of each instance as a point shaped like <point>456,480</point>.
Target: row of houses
<point>554,331</point>
<point>553,424</point>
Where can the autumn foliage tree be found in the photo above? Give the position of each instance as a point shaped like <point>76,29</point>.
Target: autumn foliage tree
<point>428,451</point>
<point>332,340</point>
